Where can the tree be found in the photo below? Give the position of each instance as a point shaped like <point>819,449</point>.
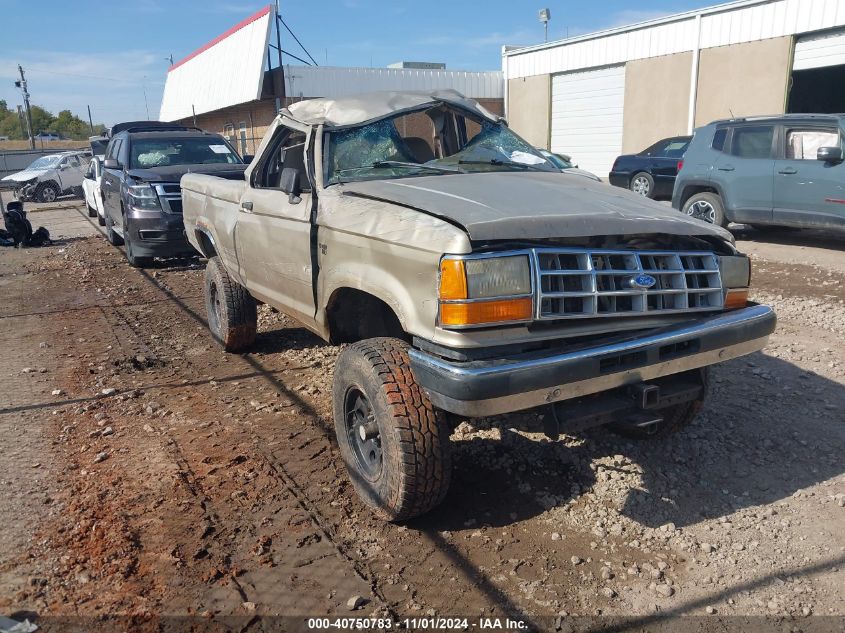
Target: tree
<point>42,121</point>
<point>66,123</point>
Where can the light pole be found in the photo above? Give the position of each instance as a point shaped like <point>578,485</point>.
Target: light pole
<point>22,85</point>
<point>545,16</point>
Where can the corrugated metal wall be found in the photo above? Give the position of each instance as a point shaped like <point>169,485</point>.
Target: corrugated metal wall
<point>744,21</point>
<point>229,71</point>
<point>820,51</point>
<point>335,81</point>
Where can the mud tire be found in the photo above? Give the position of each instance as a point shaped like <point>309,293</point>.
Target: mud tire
<point>416,465</point>
<point>231,310</point>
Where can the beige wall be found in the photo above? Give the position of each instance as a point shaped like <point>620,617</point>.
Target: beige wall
<point>529,112</point>
<point>743,79</point>
<point>258,115</point>
<point>656,100</point>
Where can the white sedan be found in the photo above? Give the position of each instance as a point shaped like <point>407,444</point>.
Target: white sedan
<point>93,194</point>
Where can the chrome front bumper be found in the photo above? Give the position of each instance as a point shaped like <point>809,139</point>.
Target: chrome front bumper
<point>492,387</point>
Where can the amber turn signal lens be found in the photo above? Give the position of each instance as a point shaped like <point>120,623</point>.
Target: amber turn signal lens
<point>737,298</point>
<point>453,280</point>
<point>481,312</point>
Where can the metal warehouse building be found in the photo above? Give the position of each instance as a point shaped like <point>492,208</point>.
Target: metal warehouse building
<point>618,91</point>
<point>229,85</point>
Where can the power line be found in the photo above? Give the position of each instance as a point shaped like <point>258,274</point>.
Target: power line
<point>297,41</point>
<point>66,74</point>
<point>299,59</point>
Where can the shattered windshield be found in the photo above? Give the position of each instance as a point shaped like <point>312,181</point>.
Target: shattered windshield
<point>45,162</point>
<point>438,140</point>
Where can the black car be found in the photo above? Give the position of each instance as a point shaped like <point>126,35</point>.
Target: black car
<point>651,173</point>
<point>142,199</point>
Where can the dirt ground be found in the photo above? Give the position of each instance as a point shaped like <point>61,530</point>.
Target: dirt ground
<point>146,474</point>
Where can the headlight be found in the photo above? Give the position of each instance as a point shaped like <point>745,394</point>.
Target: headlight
<point>736,277</point>
<point>485,290</point>
<point>143,197</point>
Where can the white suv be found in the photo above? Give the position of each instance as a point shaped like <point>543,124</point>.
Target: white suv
<point>50,176</point>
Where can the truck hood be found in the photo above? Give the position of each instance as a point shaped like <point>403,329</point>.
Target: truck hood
<point>532,205</point>
<point>175,172</point>
<point>25,175</point>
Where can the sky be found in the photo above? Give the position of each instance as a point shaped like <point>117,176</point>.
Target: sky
<point>112,55</point>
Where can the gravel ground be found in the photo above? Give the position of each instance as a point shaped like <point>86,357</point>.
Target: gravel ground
<point>146,473</point>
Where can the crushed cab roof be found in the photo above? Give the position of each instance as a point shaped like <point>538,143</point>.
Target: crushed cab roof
<point>363,108</point>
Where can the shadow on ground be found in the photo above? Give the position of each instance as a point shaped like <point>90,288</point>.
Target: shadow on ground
<point>764,434</point>
<point>815,238</point>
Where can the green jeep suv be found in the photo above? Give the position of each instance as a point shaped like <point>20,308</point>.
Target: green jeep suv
<point>784,171</point>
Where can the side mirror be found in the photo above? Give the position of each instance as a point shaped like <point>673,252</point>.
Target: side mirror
<point>290,184</point>
<point>248,158</point>
<point>111,163</point>
<point>830,154</point>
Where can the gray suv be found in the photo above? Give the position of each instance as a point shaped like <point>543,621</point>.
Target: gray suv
<point>785,171</point>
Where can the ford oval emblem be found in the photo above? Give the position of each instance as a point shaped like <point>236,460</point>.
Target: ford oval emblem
<point>642,282</point>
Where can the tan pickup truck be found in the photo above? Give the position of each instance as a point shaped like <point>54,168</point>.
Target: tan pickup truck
<point>470,278</point>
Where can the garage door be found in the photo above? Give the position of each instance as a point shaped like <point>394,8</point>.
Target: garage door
<point>820,50</point>
<point>587,117</point>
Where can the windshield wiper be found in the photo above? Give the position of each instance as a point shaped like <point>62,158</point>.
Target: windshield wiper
<point>399,163</point>
<point>505,163</point>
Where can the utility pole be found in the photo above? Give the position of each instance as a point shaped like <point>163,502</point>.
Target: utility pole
<point>22,85</point>
<point>144,87</point>
<point>278,35</point>
<point>90,121</point>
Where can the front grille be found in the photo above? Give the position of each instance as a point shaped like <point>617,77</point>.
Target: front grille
<point>170,196</point>
<point>579,283</point>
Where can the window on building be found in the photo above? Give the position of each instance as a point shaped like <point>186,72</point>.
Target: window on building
<point>229,131</point>
<point>804,144</point>
<point>753,141</point>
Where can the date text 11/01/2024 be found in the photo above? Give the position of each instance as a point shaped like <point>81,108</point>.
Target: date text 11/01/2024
<point>414,624</point>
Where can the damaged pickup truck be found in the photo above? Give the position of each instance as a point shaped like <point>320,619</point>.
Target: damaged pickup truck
<point>470,278</point>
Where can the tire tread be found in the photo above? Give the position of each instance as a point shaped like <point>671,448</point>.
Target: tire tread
<point>422,432</point>
<point>239,321</point>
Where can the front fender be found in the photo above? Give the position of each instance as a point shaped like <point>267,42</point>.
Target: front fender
<point>413,299</point>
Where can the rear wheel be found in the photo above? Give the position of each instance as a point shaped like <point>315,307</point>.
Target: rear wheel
<point>394,443</point>
<point>232,312</point>
<point>92,212</point>
<point>643,184</point>
<point>706,206</point>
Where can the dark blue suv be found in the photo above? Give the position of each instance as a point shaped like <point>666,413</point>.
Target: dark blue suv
<point>785,170</point>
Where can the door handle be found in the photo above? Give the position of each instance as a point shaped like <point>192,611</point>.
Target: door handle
<point>246,205</point>
<point>727,168</point>
<point>788,170</point>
